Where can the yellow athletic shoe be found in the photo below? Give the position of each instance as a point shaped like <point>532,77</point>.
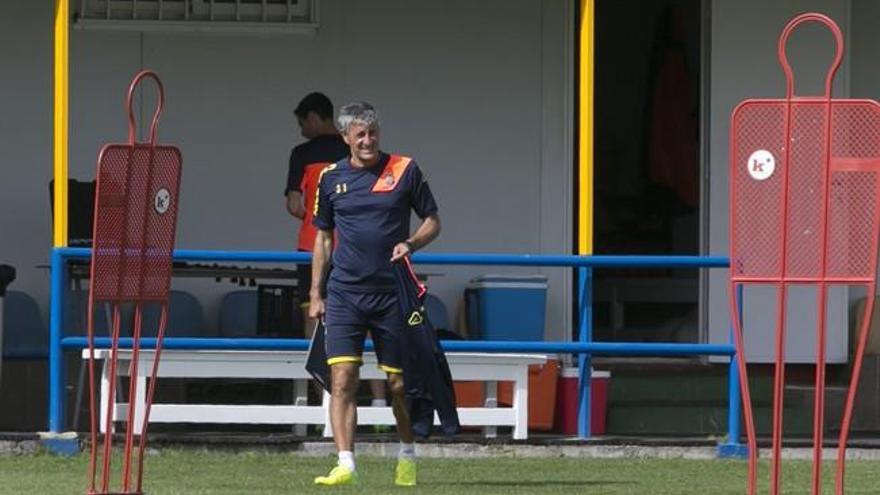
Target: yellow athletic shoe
<point>405,474</point>
<point>340,475</point>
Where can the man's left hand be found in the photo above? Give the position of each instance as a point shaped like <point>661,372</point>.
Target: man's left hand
<point>401,250</point>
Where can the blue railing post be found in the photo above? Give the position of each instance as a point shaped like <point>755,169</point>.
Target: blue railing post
<point>56,354</point>
<point>585,360</point>
<point>733,403</point>
<point>732,448</point>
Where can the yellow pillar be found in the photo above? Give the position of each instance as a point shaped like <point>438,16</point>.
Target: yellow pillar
<point>585,120</point>
<point>62,23</point>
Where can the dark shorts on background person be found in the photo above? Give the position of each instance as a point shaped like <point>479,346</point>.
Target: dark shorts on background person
<point>304,281</point>
<point>348,317</point>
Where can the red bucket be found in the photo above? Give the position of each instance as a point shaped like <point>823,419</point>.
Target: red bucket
<point>567,401</point>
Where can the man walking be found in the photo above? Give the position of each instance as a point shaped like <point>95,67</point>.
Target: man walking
<point>366,201</point>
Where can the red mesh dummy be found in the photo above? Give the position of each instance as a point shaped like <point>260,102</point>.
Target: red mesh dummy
<point>804,192</point>
<point>135,222</point>
<point>851,190</point>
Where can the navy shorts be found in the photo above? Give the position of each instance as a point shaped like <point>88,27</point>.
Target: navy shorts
<point>349,315</point>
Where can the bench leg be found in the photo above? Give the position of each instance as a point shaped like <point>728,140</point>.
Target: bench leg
<point>141,403</point>
<point>521,404</point>
<point>491,391</point>
<point>105,397</point>
<point>300,398</point>
<point>328,426</point>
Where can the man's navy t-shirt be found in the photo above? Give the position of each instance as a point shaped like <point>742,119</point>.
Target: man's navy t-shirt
<point>370,210</point>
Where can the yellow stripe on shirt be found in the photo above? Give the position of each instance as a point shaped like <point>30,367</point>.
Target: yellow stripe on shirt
<point>318,189</point>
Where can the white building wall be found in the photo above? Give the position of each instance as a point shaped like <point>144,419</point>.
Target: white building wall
<point>477,92</point>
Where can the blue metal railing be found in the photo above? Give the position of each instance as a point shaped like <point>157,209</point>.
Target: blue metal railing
<point>584,347</point>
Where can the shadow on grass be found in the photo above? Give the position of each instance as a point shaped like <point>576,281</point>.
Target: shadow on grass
<point>536,483</point>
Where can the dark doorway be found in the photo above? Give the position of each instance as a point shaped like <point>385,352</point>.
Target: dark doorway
<point>648,76</point>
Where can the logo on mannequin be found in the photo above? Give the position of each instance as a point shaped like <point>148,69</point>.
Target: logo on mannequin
<point>162,201</point>
<point>761,165</point>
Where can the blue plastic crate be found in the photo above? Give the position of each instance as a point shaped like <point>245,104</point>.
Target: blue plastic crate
<point>507,307</point>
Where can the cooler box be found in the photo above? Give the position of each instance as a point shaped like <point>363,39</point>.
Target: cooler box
<point>468,393</point>
<point>542,394</point>
<point>567,402</point>
<point>506,307</point>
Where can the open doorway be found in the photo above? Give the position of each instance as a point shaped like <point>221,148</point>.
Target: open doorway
<point>648,102</point>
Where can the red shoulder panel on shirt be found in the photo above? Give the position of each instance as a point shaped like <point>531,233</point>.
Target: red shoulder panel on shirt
<point>390,176</point>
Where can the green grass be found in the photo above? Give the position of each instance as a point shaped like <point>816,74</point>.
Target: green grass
<point>193,473</point>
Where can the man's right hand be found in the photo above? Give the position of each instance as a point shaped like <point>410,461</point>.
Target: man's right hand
<point>295,205</point>
<point>316,306</point>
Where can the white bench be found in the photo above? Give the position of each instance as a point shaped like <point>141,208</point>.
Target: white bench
<point>488,368</point>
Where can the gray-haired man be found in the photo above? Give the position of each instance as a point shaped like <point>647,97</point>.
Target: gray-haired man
<point>366,201</point>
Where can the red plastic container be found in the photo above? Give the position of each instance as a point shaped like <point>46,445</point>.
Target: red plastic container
<point>567,402</point>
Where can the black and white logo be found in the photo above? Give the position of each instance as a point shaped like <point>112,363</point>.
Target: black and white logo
<point>162,201</point>
<point>761,165</point>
